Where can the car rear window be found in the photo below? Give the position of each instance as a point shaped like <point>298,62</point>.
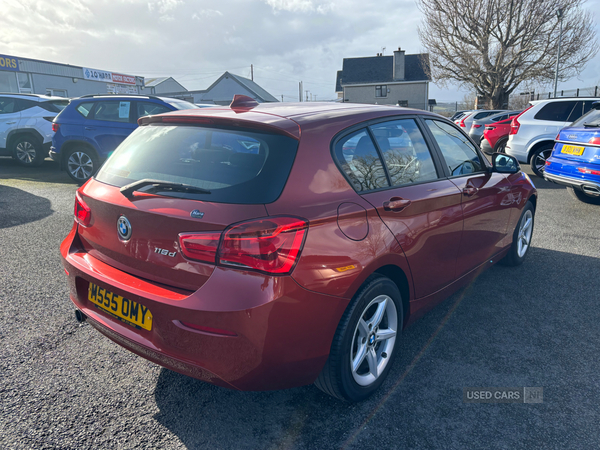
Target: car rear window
<point>591,118</point>
<point>237,166</point>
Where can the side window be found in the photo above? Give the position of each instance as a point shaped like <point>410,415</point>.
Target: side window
<point>460,155</point>
<point>8,105</point>
<point>149,108</point>
<point>85,108</point>
<point>112,111</point>
<point>23,104</point>
<point>576,113</point>
<point>587,105</point>
<point>405,152</point>
<point>360,161</point>
<point>556,111</point>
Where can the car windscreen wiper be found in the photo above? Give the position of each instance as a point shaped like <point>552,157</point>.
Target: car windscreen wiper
<point>128,190</point>
<point>592,125</point>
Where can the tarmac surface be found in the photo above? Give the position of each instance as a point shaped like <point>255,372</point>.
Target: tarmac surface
<point>65,386</point>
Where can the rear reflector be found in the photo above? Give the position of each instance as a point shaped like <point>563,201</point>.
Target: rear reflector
<point>211,330</point>
<point>588,171</point>
<point>83,214</point>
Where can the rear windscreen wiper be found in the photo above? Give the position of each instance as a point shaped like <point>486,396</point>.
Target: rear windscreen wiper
<point>128,190</point>
<point>591,125</point>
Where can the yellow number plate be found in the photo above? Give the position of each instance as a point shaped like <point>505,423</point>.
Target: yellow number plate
<point>126,310</point>
<point>573,150</point>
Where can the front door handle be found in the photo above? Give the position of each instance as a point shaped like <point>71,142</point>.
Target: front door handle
<point>470,190</point>
<point>396,204</point>
<point>10,123</point>
<point>89,128</point>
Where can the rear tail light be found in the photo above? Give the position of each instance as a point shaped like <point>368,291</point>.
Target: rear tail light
<point>475,125</point>
<point>271,245</point>
<point>462,123</point>
<point>514,124</point>
<point>557,136</point>
<point>595,141</point>
<point>588,171</point>
<point>55,127</point>
<point>83,214</point>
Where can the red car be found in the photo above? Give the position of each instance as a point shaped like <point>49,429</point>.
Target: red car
<point>495,135</point>
<point>268,246</point>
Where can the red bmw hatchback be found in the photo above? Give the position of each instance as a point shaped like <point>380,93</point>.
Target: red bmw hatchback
<point>268,246</point>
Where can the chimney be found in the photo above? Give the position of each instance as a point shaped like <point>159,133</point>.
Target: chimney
<point>398,65</point>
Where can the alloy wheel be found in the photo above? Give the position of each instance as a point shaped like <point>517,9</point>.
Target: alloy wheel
<point>26,152</point>
<point>80,165</point>
<point>373,341</point>
<point>524,237</point>
<point>540,160</point>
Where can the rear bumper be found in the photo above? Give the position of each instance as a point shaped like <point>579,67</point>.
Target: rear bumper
<point>283,332</point>
<point>486,147</point>
<point>588,186</point>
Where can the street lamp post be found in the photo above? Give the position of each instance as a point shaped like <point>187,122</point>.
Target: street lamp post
<point>560,16</point>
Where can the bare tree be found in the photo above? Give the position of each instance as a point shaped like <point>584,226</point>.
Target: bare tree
<point>495,45</point>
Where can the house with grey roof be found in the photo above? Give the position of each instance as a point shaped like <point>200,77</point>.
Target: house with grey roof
<point>221,92</point>
<point>399,79</point>
<point>154,86</point>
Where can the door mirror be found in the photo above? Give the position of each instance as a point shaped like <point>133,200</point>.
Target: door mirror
<point>503,163</point>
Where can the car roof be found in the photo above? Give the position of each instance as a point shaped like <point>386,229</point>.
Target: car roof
<point>562,99</point>
<point>287,117</point>
<point>32,97</point>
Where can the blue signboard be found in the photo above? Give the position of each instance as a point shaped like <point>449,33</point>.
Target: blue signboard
<point>9,63</point>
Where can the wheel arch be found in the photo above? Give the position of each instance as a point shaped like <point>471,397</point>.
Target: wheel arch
<point>536,146</point>
<point>399,278</point>
<point>67,146</point>
<point>20,132</point>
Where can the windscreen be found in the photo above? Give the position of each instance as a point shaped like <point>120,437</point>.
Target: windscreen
<point>236,166</point>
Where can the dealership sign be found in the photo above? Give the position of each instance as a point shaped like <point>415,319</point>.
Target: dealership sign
<point>9,63</point>
<point>100,75</point>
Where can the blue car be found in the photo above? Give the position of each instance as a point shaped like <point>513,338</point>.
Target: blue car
<point>575,160</point>
<point>91,127</point>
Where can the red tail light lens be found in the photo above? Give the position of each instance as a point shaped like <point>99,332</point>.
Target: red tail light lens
<point>83,214</point>
<point>588,171</point>
<point>55,127</point>
<point>595,141</point>
<point>514,124</point>
<point>270,245</point>
<point>462,123</point>
<point>200,246</point>
<point>475,125</point>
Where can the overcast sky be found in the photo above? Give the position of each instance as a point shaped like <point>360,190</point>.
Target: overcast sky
<point>196,41</point>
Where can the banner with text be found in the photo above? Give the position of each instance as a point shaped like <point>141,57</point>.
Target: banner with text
<point>101,75</point>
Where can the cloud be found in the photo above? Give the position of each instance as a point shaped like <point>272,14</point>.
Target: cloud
<point>206,13</point>
<point>321,7</point>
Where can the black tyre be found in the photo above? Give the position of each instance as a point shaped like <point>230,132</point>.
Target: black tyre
<point>538,159</point>
<point>365,343</point>
<point>27,151</point>
<point>583,197</point>
<point>81,163</point>
<point>521,238</point>
<point>500,146</point>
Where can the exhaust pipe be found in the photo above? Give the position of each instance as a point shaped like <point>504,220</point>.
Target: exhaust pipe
<point>592,190</point>
<point>79,316</point>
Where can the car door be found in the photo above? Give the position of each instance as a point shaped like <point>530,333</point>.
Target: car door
<point>9,118</point>
<point>391,166</point>
<point>487,197</point>
<point>109,123</point>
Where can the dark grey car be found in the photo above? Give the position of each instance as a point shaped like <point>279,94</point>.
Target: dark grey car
<point>478,125</point>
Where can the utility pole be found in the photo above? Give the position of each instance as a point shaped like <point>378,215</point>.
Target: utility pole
<point>306,94</point>
<point>300,91</point>
<point>252,72</point>
<point>281,98</point>
<point>560,15</point>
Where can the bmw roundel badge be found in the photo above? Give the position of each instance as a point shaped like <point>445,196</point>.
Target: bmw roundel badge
<point>123,228</point>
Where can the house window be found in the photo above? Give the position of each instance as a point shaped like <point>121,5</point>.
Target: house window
<point>24,83</point>
<point>56,92</point>
<point>403,103</point>
<point>381,91</point>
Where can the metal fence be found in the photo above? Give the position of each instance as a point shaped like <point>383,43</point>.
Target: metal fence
<point>579,92</point>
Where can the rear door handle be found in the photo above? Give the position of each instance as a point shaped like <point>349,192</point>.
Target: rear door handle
<point>89,128</point>
<point>396,204</point>
<point>470,190</point>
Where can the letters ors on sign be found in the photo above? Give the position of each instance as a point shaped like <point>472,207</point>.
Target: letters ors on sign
<point>96,75</point>
<point>9,63</point>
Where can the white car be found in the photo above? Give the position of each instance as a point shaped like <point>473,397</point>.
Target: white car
<point>26,126</point>
<point>467,120</point>
<point>532,132</point>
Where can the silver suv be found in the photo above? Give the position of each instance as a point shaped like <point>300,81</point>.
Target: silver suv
<point>532,132</point>
<point>26,126</point>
